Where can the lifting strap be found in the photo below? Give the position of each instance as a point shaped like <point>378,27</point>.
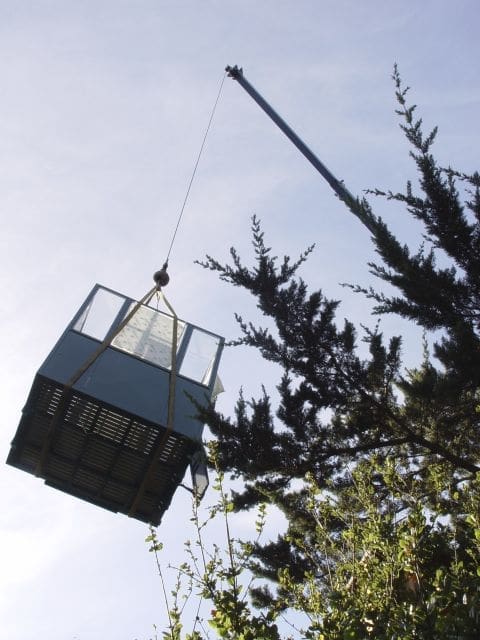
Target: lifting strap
<point>63,402</point>
<point>170,412</point>
<point>66,392</point>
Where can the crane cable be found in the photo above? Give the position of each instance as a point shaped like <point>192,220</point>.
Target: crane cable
<point>180,215</point>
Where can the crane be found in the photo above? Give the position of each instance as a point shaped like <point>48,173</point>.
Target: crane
<point>340,189</point>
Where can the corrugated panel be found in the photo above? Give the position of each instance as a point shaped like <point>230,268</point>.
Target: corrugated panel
<point>99,453</point>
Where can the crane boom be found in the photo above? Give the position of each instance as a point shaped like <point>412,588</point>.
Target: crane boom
<point>342,192</point>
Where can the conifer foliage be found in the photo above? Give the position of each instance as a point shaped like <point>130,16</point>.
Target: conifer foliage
<point>374,467</point>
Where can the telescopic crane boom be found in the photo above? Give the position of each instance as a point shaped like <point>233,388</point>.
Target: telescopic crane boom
<point>342,192</point>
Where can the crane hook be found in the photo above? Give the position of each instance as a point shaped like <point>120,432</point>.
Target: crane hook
<point>161,278</point>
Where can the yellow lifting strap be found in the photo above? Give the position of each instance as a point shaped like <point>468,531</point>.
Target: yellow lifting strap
<point>62,404</point>
<point>170,412</point>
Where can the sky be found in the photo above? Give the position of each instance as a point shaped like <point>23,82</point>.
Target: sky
<point>104,104</point>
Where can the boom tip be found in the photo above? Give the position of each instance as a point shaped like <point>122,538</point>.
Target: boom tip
<point>234,72</point>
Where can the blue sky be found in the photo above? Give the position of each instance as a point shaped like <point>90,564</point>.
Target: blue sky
<point>103,109</point>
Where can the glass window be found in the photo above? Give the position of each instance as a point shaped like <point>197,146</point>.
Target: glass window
<point>149,335</point>
<point>97,318</point>
<point>200,356</point>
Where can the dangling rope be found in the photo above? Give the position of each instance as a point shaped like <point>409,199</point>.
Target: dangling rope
<point>194,170</point>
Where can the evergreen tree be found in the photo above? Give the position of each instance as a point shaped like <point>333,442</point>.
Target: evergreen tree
<point>374,467</point>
